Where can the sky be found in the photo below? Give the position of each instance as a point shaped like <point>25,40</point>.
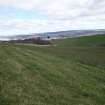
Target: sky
<point>35,16</point>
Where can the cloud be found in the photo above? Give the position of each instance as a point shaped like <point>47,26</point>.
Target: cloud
<point>31,26</point>
<point>58,9</point>
<point>13,27</point>
<point>60,15</point>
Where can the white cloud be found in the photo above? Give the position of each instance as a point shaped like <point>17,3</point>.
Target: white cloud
<point>31,26</point>
<point>60,8</point>
<point>61,15</point>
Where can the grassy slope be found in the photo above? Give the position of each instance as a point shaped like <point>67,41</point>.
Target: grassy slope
<point>70,73</point>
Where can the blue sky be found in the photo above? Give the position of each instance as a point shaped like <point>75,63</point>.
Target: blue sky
<point>9,12</point>
<point>29,16</point>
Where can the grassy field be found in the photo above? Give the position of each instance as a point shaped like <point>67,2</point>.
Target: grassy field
<point>70,72</point>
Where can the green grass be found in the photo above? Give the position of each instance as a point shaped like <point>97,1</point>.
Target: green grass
<point>70,73</point>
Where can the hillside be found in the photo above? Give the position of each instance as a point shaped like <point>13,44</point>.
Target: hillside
<point>69,72</point>
<point>54,35</point>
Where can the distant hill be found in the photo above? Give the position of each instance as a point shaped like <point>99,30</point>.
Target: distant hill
<point>55,35</point>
